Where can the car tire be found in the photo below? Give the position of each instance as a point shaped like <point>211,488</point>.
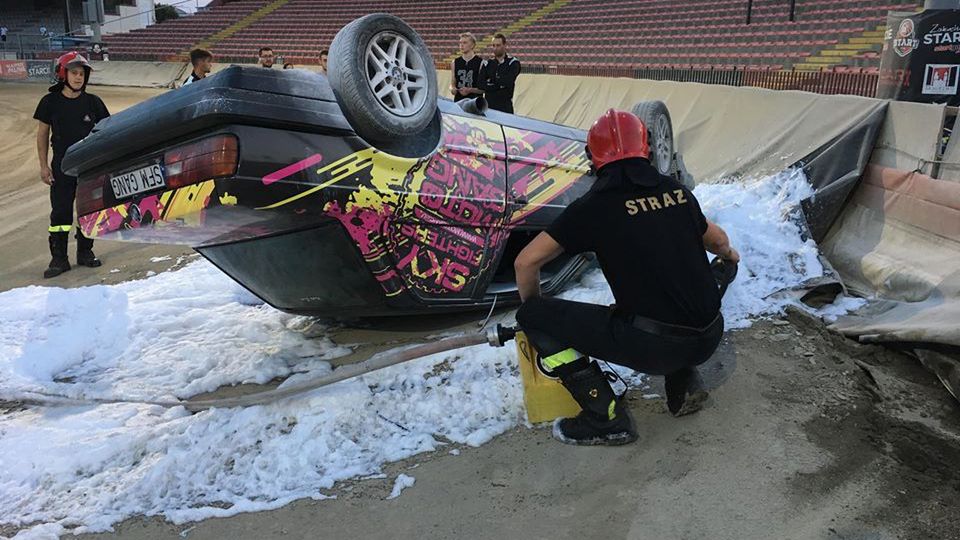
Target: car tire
<point>656,117</point>
<point>385,82</point>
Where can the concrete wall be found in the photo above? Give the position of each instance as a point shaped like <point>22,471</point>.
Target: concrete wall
<point>130,18</point>
<point>142,74</point>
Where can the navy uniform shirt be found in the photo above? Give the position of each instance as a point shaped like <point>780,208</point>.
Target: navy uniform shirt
<point>70,120</point>
<point>648,237</point>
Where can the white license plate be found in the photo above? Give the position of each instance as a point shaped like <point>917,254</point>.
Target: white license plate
<point>137,181</point>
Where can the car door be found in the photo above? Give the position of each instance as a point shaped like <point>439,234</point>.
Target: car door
<point>545,173</point>
<point>444,243</point>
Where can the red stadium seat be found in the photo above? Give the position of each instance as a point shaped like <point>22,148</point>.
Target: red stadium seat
<point>702,34</point>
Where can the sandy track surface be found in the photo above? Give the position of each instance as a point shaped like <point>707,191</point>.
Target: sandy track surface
<point>25,201</point>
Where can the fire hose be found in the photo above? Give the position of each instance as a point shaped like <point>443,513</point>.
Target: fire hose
<point>495,337</point>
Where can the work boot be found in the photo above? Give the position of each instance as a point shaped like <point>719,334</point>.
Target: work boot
<point>85,256</point>
<point>58,252</point>
<point>604,420</point>
<point>685,391</point>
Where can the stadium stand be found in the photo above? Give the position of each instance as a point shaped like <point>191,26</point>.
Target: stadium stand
<point>167,40</point>
<point>700,34</point>
<point>302,28</point>
<point>20,19</point>
<point>841,35</point>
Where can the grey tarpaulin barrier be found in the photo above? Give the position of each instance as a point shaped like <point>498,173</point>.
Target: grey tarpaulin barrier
<point>835,169</point>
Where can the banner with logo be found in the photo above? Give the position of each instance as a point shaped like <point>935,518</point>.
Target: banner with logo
<point>921,57</point>
<point>40,70</point>
<point>13,69</point>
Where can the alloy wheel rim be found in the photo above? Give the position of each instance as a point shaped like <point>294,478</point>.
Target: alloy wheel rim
<point>396,74</point>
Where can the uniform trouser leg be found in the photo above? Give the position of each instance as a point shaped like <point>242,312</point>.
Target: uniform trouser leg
<point>62,192</point>
<point>555,326</point>
<point>62,196</point>
<point>566,332</point>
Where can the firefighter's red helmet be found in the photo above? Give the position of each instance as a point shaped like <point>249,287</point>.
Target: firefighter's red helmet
<point>617,135</point>
<point>69,60</point>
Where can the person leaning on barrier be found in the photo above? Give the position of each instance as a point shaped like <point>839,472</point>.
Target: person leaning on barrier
<point>649,235</point>
<point>498,76</point>
<point>202,62</point>
<point>66,115</point>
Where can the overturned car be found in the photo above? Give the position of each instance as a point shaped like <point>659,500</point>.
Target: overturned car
<point>357,194</point>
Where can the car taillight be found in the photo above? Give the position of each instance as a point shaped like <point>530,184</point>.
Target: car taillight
<point>201,160</point>
<point>213,157</point>
<point>90,194</point>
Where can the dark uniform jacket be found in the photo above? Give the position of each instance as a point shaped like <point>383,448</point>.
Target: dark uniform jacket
<point>498,82</point>
<point>647,231</point>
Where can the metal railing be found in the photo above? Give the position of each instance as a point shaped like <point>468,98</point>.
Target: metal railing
<point>858,83</point>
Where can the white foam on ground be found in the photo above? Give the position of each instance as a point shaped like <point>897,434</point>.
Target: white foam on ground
<point>83,469</point>
<point>403,482</point>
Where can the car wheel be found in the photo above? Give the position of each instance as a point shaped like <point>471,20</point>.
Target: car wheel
<point>656,117</point>
<point>385,82</point>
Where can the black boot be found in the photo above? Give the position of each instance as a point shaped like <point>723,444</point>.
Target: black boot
<point>685,391</point>
<point>58,251</point>
<point>85,256</point>
<point>604,420</point>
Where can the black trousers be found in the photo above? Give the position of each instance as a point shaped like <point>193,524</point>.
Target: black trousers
<point>554,325</point>
<point>63,191</point>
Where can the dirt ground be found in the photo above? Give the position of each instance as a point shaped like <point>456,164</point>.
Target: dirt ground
<point>806,435</point>
<point>25,202</point>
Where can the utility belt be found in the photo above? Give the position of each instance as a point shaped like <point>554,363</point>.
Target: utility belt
<point>658,328</point>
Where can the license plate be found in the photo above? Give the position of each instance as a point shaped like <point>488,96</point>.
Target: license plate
<point>137,181</point>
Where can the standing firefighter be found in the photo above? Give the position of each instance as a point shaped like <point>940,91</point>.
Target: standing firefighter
<point>649,235</point>
<point>66,115</point>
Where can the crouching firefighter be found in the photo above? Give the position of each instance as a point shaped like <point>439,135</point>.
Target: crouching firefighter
<point>649,235</point>
<point>66,115</point>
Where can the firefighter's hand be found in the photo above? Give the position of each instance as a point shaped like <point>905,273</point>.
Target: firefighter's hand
<point>732,256</point>
<point>46,175</point>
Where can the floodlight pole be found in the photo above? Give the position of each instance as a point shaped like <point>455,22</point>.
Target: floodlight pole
<point>793,10</point>
<point>749,10</point>
<point>66,16</point>
<point>97,21</point>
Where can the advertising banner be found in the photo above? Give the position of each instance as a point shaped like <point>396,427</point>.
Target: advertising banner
<point>13,69</point>
<point>40,70</point>
<point>921,57</point>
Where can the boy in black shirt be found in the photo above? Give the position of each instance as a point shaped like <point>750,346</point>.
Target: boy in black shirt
<point>69,113</point>
<point>499,76</point>
<point>465,75</point>
<point>202,62</point>
<point>649,235</point>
